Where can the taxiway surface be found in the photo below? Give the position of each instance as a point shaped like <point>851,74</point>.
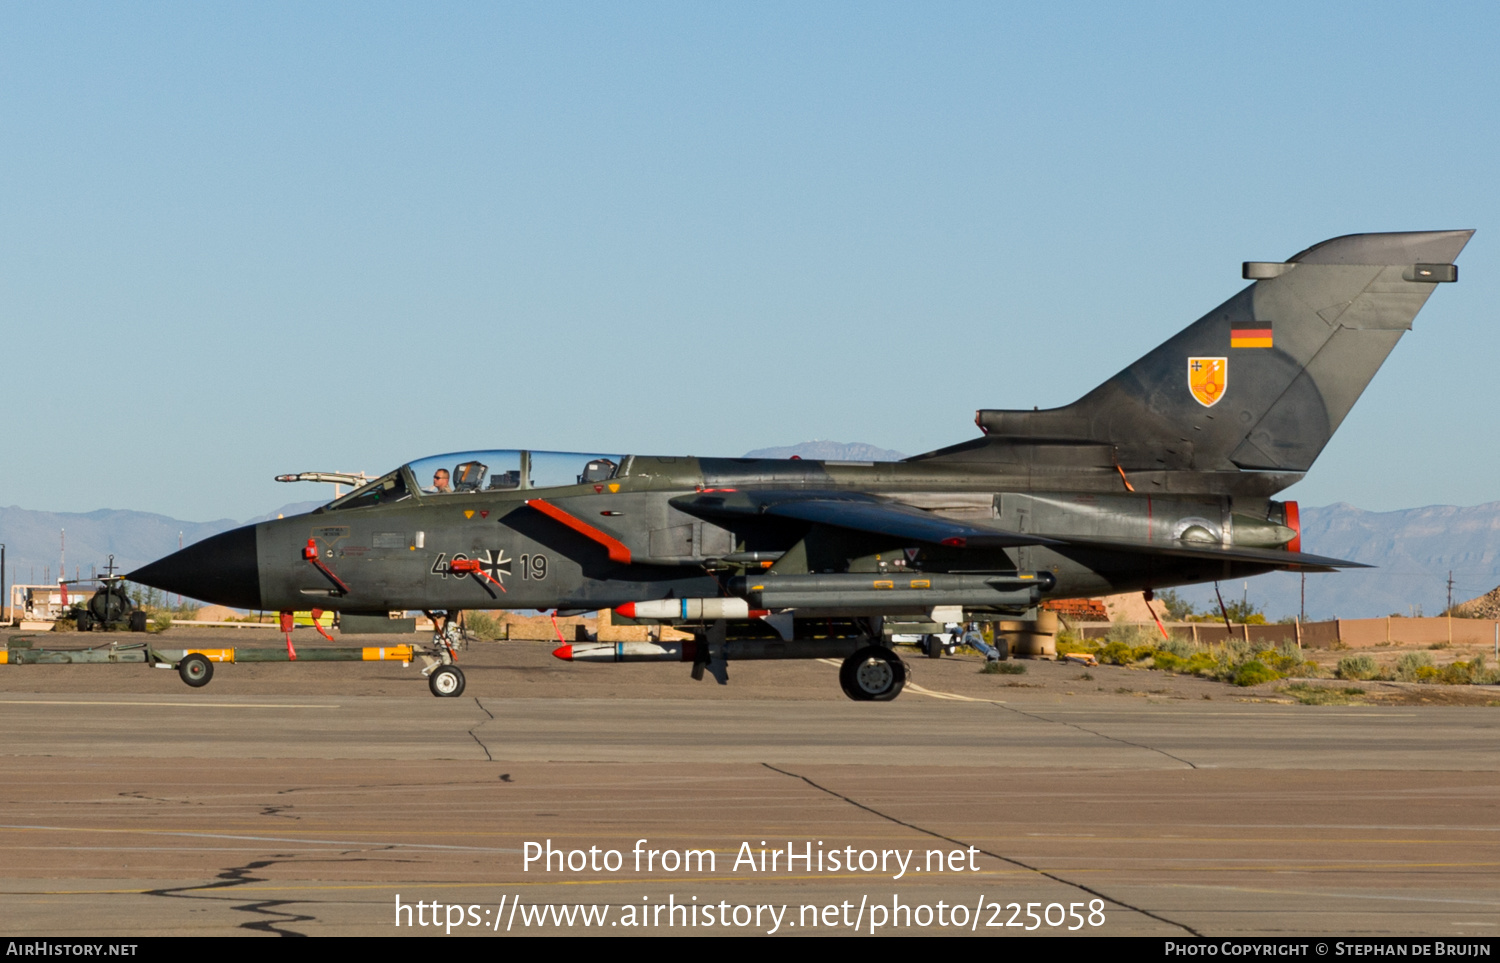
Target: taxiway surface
<point>313,799</point>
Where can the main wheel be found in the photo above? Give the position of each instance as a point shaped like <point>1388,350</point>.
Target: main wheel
<point>196,670</point>
<point>932,645</point>
<point>873,674</point>
<point>446,681</point>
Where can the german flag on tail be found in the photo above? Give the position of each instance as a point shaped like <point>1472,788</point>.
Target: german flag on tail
<point>1251,334</point>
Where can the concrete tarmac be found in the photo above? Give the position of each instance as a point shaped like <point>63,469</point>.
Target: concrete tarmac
<point>344,799</point>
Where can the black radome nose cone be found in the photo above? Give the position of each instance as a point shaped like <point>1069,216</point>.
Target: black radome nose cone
<point>223,570</point>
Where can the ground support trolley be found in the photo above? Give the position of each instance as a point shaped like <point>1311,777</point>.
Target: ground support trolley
<point>196,665</point>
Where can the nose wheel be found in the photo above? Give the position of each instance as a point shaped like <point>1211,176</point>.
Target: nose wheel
<point>872,674</point>
<point>446,681</point>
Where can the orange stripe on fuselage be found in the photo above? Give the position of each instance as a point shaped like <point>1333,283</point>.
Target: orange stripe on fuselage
<point>617,550</point>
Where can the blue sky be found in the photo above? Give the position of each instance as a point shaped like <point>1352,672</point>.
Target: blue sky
<point>240,240</point>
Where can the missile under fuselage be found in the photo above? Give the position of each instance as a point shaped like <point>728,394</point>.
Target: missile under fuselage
<point>908,592</point>
<point>688,651</point>
<point>891,593</point>
<point>690,609</point>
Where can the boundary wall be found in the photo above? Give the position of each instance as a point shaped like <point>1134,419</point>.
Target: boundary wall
<point>1353,633</point>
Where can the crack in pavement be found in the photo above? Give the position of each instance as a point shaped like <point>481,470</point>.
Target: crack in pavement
<point>269,908</point>
<point>1041,718</point>
<point>1092,732</point>
<point>473,735</point>
<point>141,795</point>
<point>1006,859</point>
<point>239,876</point>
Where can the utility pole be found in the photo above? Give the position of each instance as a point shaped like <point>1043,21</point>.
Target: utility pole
<point>1450,592</point>
<point>1304,597</point>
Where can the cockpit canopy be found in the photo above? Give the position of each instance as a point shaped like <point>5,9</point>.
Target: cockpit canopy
<point>473,472</point>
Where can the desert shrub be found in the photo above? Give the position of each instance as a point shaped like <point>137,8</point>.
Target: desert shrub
<point>1182,648</point>
<point>1312,695</point>
<point>1457,673</point>
<point>1410,665</point>
<point>1253,672</point>
<point>1133,636</point>
<point>483,626</point>
<point>1168,661</point>
<point>1480,674</point>
<point>1196,662</point>
<point>1120,653</point>
<point>1067,642</point>
<point>1280,660</point>
<point>1357,667</point>
<point>1238,650</point>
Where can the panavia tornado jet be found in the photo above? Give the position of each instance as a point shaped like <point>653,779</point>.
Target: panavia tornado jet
<point>1161,476</point>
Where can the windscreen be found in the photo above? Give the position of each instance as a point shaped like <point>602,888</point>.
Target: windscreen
<point>382,491</point>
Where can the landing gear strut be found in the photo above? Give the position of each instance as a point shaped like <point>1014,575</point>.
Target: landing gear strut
<point>445,679</point>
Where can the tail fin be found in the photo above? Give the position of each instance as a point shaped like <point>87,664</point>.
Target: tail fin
<point>1263,380</point>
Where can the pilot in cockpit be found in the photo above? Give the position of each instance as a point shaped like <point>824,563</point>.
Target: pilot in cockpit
<point>440,484</point>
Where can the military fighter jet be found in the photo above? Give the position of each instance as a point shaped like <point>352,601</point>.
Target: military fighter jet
<point>1161,476</point>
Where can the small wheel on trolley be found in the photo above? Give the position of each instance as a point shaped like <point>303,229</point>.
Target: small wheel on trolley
<point>196,670</point>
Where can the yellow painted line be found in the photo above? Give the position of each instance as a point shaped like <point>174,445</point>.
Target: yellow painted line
<point>952,696</point>
<point>170,705</point>
<point>913,687</point>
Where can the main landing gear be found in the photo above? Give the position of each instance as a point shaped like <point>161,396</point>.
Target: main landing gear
<point>873,674</point>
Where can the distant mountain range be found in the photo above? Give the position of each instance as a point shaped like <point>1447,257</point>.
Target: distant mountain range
<point>1414,549</point>
<point>33,540</point>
